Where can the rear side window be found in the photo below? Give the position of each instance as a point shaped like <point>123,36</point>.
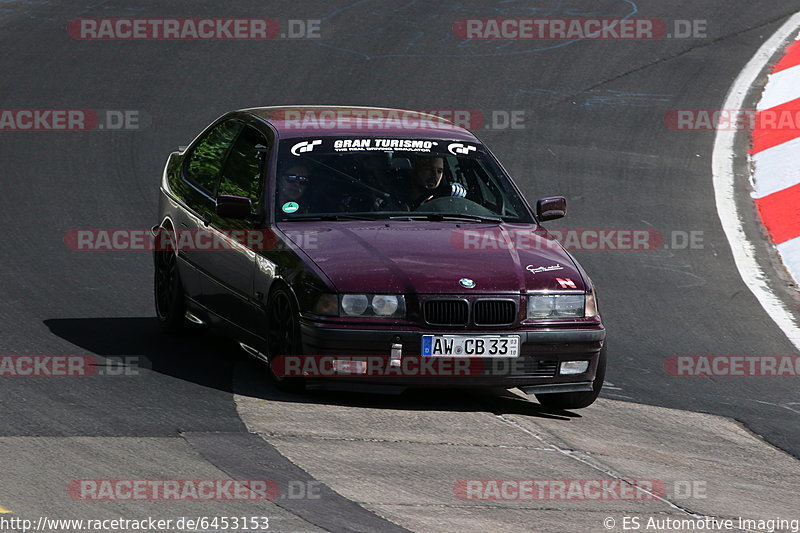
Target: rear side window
<point>206,159</point>
<point>242,173</point>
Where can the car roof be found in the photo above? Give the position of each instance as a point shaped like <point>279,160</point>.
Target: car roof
<point>317,120</point>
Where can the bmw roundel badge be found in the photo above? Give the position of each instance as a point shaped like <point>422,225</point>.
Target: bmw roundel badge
<point>467,283</point>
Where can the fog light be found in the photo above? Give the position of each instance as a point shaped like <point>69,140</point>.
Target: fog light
<point>347,366</point>
<point>574,367</point>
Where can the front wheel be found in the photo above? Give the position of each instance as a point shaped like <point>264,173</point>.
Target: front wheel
<point>578,400</point>
<point>170,299</point>
<point>283,337</point>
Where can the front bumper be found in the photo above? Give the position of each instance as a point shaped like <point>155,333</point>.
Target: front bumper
<point>537,368</point>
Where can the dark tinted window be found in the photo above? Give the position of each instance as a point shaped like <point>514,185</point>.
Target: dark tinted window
<point>207,157</point>
<point>242,173</point>
<point>384,177</point>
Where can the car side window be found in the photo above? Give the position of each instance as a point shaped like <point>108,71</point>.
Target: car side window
<point>242,174</point>
<point>204,163</point>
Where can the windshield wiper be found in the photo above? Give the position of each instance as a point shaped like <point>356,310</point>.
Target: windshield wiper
<point>334,217</point>
<point>440,217</point>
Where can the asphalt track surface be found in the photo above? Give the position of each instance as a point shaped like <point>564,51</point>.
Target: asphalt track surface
<point>593,132</point>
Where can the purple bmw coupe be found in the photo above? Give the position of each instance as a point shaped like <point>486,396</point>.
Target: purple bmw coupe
<point>373,245</point>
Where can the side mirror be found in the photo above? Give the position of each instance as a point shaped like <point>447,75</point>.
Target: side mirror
<point>551,208</point>
<point>237,207</point>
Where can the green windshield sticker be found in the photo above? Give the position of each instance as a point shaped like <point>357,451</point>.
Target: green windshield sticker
<point>290,207</point>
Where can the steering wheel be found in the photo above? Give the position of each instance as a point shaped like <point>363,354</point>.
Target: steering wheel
<point>455,205</point>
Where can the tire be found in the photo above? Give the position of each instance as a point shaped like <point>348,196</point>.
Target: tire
<point>578,400</point>
<point>170,300</point>
<point>283,335</point>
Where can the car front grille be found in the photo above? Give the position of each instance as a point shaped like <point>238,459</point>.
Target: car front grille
<point>456,312</point>
<point>447,312</point>
<point>494,312</point>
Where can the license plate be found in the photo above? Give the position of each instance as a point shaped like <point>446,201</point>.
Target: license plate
<point>470,345</point>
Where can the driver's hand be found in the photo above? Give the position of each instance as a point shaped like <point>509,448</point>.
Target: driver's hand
<point>458,190</point>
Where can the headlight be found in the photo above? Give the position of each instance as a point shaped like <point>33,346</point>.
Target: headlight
<point>385,305</point>
<point>556,305</point>
<point>375,305</point>
<point>354,304</point>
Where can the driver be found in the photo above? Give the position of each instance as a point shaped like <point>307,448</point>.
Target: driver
<point>293,189</point>
<point>426,182</point>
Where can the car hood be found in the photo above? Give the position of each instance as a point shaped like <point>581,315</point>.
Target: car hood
<point>433,257</point>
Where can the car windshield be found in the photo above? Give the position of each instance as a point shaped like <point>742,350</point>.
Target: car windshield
<point>392,178</point>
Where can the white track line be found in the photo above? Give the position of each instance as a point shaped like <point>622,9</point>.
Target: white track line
<point>724,175</point>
